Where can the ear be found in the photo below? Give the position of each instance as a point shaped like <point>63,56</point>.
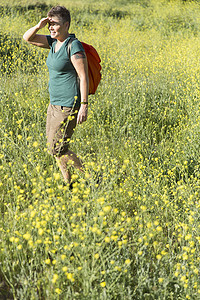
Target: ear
<point>67,25</point>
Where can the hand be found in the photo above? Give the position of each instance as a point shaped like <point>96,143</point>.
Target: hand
<point>43,22</point>
<point>82,114</point>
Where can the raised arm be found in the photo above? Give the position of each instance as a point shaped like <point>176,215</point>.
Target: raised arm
<point>79,60</point>
<point>33,38</point>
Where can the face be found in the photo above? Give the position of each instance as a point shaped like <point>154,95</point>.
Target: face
<point>57,29</point>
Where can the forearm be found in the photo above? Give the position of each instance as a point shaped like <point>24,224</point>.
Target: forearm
<point>84,87</point>
<point>83,111</point>
<point>31,33</point>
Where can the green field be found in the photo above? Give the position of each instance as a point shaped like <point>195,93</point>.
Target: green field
<point>135,234</point>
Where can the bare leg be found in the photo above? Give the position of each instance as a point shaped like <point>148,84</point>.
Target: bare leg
<point>64,169</point>
<point>70,158</point>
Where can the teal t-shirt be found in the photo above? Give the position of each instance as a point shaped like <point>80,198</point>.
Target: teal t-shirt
<point>63,83</point>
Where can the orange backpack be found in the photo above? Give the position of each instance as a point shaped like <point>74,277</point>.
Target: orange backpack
<point>94,67</point>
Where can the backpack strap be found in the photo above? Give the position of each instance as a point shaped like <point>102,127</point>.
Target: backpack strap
<point>69,46</point>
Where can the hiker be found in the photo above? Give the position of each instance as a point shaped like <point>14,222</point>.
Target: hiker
<point>68,95</point>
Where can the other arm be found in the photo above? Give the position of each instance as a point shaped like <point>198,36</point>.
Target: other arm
<point>79,61</point>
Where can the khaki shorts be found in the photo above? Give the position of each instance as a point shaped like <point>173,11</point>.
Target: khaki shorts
<point>61,122</point>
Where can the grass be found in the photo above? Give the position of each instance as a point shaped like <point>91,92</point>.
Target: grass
<point>135,234</point>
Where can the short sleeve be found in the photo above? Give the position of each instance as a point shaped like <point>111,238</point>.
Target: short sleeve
<point>50,40</point>
<point>76,47</point>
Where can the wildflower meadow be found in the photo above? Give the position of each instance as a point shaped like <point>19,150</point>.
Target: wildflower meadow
<point>130,227</point>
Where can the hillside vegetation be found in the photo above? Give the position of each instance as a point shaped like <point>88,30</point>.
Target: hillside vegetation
<point>135,233</point>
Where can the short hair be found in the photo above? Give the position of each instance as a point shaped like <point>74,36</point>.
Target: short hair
<point>61,12</point>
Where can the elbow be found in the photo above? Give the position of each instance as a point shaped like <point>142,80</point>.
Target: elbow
<point>84,78</point>
<point>84,81</point>
<point>25,38</point>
